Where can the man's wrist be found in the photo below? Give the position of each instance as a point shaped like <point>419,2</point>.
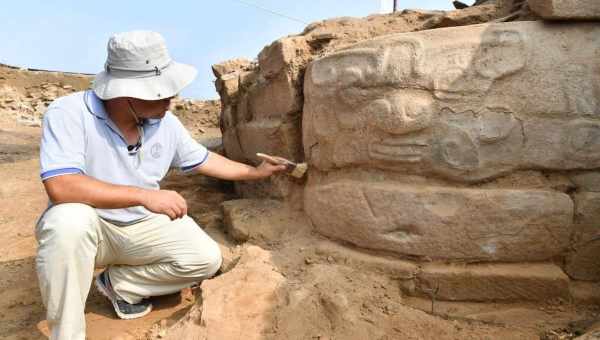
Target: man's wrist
<point>253,173</point>
<point>140,195</point>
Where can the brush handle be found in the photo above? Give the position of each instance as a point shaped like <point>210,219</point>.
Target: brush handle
<point>275,160</point>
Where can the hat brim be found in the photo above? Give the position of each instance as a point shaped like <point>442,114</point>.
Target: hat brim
<point>169,83</point>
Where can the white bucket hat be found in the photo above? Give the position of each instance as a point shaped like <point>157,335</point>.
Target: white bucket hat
<point>139,66</point>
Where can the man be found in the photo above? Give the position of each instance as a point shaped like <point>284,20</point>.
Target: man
<point>103,153</point>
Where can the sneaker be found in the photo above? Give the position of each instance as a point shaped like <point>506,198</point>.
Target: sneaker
<point>123,309</point>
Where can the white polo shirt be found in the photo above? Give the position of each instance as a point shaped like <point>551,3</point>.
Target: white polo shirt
<point>78,137</point>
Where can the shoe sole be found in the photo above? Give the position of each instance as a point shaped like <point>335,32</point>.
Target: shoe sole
<point>102,289</point>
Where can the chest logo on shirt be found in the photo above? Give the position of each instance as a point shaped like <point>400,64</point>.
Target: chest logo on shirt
<point>156,150</point>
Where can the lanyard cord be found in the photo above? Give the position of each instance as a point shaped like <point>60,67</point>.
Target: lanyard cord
<point>138,124</point>
<point>140,128</point>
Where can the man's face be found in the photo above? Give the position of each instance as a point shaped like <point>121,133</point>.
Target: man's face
<point>150,108</point>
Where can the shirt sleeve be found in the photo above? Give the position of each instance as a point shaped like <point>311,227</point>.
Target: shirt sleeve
<point>189,154</point>
<point>62,149</point>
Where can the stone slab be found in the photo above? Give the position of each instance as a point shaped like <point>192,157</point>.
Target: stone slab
<point>273,136</point>
<point>280,55</point>
<point>274,98</point>
<point>463,103</point>
<point>587,216</point>
<point>228,86</point>
<point>494,282</point>
<point>585,292</point>
<point>232,145</point>
<point>266,220</point>
<point>587,181</point>
<point>441,222</point>
<point>230,66</point>
<point>583,261</point>
<point>566,9</point>
<point>395,268</point>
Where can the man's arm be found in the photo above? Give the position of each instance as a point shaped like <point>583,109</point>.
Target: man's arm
<point>223,168</point>
<point>77,188</point>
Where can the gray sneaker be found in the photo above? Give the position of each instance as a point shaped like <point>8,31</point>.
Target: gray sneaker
<point>123,309</point>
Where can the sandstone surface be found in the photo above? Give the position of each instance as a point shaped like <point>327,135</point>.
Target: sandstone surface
<point>443,223</point>
<point>582,262</point>
<point>462,103</point>
<point>587,181</point>
<point>494,282</point>
<point>585,292</point>
<point>261,220</point>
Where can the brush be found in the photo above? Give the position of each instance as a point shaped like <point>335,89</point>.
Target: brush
<point>293,169</point>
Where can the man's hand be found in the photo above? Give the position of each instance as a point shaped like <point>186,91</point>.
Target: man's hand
<point>78,188</point>
<point>165,202</point>
<point>266,169</point>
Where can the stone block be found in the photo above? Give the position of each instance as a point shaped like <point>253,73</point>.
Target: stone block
<point>275,97</point>
<point>464,103</point>
<point>585,292</point>
<point>566,9</point>
<point>277,187</point>
<point>261,220</point>
<point>587,181</point>
<point>247,78</point>
<point>493,282</point>
<point>395,268</point>
<point>583,261</point>
<point>280,55</point>
<point>227,86</point>
<point>231,143</point>
<point>242,113</point>
<point>273,137</point>
<point>230,66</point>
<point>587,216</point>
<point>442,222</point>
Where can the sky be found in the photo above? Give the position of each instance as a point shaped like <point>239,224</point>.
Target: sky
<point>72,35</point>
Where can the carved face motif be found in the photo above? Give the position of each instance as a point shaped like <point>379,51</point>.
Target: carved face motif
<point>429,105</point>
<point>400,114</point>
<point>405,131</point>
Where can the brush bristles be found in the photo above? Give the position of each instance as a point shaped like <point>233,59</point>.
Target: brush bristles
<point>299,170</point>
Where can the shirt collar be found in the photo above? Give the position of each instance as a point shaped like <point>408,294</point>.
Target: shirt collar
<point>96,107</point>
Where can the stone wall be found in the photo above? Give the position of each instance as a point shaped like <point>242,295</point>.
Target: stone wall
<point>262,101</point>
<point>453,108</point>
<point>469,153</point>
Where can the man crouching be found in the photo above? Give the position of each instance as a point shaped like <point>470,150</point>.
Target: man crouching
<point>103,153</point>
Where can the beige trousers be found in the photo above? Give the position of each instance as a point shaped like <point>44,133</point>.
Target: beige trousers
<point>156,256</point>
